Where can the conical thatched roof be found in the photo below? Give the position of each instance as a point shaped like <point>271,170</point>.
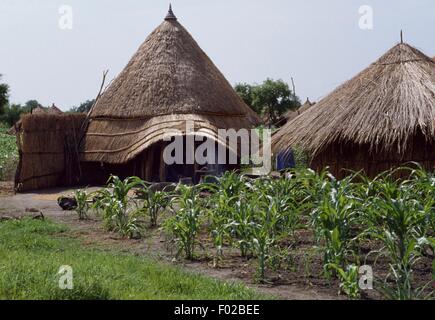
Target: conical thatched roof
<point>170,74</point>
<point>307,105</point>
<point>383,107</point>
<point>169,80</point>
<point>54,110</point>
<point>38,110</point>
<point>291,114</point>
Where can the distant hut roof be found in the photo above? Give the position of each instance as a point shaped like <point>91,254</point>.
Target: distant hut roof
<point>169,79</point>
<point>382,107</point>
<point>307,105</point>
<point>292,114</point>
<point>38,110</point>
<point>54,110</point>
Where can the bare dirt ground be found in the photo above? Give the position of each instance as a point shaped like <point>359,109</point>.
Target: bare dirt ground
<point>156,245</point>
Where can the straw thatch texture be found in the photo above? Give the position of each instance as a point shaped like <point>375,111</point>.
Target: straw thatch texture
<point>46,144</point>
<point>119,141</point>
<point>38,110</point>
<point>54,110</point>
<point>168,81</point>
<point>291,114</point>
<point>306,106</point>
<point>381,110</point>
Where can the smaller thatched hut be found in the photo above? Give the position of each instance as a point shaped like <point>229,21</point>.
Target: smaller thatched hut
<point>307,105</point>
<point>380,119</point>
<point>39,110</point>
<point>54,110</point>
<point>293,114</point>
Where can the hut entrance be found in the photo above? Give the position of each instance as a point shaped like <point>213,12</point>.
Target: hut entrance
<point>150,166</point>
<point>190,170</point>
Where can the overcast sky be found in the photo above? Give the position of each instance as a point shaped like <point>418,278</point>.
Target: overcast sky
<point>318,43</point>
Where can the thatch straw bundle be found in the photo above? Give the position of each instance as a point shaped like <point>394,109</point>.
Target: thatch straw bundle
<point>381,111</point>
<point>169,80</point>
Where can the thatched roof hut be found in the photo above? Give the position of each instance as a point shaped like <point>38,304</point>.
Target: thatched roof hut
<point>54,110</point>
<point>307,105</point>
<point>39,110</point>
<point>168,81</point>
<point>292,114</point>
<point>381,118</point>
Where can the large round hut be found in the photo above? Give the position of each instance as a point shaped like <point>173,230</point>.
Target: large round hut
<point>168,82</point>
<point>382,118</point>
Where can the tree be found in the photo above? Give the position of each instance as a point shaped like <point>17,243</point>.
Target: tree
<point>85,107</point>
<point>272,98</point>
<point>4,96</point>
<point>245,91</point>
<point>12,114</point>
<point>30,105</point>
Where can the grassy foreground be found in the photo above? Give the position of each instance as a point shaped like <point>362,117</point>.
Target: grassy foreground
<point>32,251</point>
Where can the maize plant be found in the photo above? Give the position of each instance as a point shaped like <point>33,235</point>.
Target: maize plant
<point>241,224</point>
<point>399,221</point>
<point>118,213</point>
<point>349,278</point>
<point>81,197</point>
<point>184,225</point>
<point>154,202</point>
<point>334,218</point>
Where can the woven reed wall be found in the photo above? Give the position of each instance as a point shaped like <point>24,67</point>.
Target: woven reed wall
<point>47,144</point>
<point>343,157</point>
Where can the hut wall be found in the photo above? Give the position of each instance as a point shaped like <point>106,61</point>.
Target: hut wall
<point>148,166</point>
<point>341,158</point>
<point>46,145</point>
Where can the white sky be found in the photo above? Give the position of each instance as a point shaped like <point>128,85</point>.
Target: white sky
<point>317,42</point>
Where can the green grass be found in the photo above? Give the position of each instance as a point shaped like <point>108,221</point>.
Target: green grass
<point>32,251</point>
<point>8,153</point>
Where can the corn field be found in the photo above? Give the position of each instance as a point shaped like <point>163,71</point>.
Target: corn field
<point>352,222</point>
